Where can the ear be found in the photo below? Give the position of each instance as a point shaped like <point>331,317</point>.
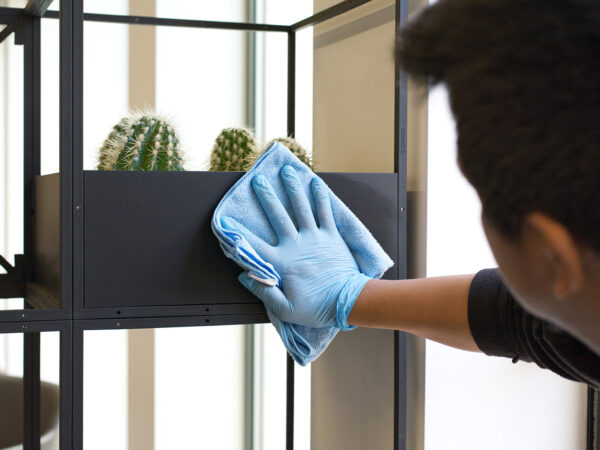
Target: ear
<point>558,251</point>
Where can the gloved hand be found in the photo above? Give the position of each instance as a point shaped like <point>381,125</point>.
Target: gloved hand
<point>320,280</point>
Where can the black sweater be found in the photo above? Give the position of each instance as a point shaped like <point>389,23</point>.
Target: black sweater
<point>501,327</point>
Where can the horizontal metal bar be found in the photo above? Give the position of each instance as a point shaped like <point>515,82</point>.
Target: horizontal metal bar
<point>167,322</point>
<point>37,7</point>
<point>33,326</point>
<point>189,23</point>
<point>9,12</point>
<point>328,13</point>
<point>126,312</point>
<point>20,316</point>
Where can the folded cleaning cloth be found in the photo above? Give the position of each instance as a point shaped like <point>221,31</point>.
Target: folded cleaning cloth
<point>305,344</point>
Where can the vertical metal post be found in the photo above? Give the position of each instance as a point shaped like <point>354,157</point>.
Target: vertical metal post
<point>31,167</point>
<point>31,391</point>
<point>77,153</point>
<point>289,424</point>
<point>291,130</point>
<point>71,116</point>
<point>66,150</point>
<point>77,386</point>
<point>249,381</point>
<point>31,138</point>
<point>66,386</point>
<point>291,84</point>
<point>251,66</point>
<point>593,420</point>
<point>249,330</point>
<point>400,339</point>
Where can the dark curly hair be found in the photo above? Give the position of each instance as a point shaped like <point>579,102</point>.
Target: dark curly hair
<point>524,83</point>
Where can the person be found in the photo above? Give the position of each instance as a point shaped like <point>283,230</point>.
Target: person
<point>524,88</point>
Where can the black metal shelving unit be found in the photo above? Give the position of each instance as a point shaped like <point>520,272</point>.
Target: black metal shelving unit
<point>81,270</point>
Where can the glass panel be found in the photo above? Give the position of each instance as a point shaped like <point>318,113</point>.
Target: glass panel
<point>11,391</point>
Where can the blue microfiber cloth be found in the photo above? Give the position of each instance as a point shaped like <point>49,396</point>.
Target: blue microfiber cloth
<point>305,344</point>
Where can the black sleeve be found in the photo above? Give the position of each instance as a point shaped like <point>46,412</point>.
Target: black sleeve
<point>501,327</point>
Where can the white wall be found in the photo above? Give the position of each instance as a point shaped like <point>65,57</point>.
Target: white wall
<point>474,401</point>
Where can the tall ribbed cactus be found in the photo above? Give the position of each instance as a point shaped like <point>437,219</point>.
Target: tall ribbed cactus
<point>141,142</point>
<point>233,147</point>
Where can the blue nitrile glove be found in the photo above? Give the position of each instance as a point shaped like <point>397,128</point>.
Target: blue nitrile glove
<point>320,280</point>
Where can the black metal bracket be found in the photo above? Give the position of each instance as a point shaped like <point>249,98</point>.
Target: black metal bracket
<point>16,25</point>
<point>12,283</point>
<point>35,8</point>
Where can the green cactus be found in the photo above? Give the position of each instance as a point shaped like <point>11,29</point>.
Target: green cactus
<point>295,148</point>
<point>233,148</point>
<point>141,142</point>
<point>291,144</point>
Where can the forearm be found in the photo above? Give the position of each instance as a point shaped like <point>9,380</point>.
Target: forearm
<point>434,308</point>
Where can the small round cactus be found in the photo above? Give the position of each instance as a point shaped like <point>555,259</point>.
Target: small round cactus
<point>233,148</point>
<point>291,144</point>
<point>295,148</point>
<point>141,142</point>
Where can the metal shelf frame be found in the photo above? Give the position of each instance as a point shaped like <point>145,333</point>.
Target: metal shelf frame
<point>71,317</point>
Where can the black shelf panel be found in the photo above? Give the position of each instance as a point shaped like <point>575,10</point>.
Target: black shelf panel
<point>148,241</point>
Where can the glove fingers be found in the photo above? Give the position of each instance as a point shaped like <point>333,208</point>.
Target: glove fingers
<point>280,220</point>
<point>273,297</point>
<point>323,203</point>
<point>296,193</point>
<point>264,249</point>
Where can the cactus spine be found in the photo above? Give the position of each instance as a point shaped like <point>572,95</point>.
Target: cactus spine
<point>141,142</point>
<point>233,147</point>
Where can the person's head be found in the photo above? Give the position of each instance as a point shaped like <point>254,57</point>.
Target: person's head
<point>523,78</point>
